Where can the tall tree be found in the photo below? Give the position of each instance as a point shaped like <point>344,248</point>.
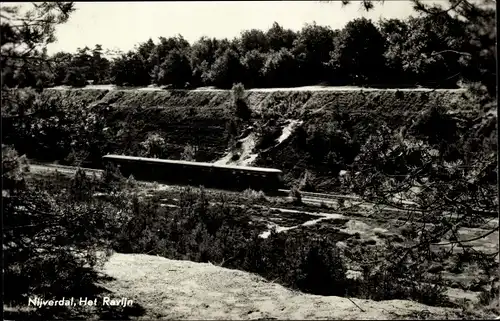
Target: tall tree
<point>253,39</point>
<point>280,69</point>
<point>25,33</point>
<point>447,167</point>
<point>129,69</point>
<point>163,49</point>
<point>100,65</point>
<point>202,57</point>
<point>427,47</point>
<point>145,51</point>
<point>227,69</point>
<point>394,32</point>
<point>253,62</point>
<point>175,70</point>
<point>478,57</point>
<point>61,62</point>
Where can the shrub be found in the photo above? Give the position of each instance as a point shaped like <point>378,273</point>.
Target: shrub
<point>299,261</point>
<point>242,110</point>
<point>231,130</point>
<point>50,240</point>
<point>251,195</point>
<point>221,234</point>
<point>112,178</point>
<point>296,195</point>
<point>189,153</point>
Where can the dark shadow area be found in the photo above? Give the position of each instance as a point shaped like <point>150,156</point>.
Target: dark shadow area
<point>92,290</point>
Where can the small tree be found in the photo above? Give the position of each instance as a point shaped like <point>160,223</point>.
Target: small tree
<point>154,146</point>
<point>240,103</point>
<point>189,153</point>
<point>296,195</point>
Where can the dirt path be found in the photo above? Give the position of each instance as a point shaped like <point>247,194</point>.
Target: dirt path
<point>170,289</point>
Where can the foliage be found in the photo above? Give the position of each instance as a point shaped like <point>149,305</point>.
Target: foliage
<point>220,234</point>
<point>433,50</point>
<point>253,196</point>
<point>253,61</point>
<point>296,195</point>
<point>241,108</point>
<point>75,78</point>
<point>311,50</point>
<point>129,69</point>
<point>51,129</point>
<point>189,153</point>
<point>358,54</point>
<point>278,37</point>
<point>50,242</point>
<point>202,57</point>
<point>268,136</point>
<point>170,60</point>
<point>175,70</point>
<point>280,69</point>
<point>253,40</point>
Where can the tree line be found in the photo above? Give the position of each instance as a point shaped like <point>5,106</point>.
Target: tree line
<point>417,51</point>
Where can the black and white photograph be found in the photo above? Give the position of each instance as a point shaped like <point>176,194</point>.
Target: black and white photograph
<point>250,160</point>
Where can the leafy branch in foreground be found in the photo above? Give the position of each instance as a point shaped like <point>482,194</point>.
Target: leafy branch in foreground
<point>448,169</point>
<point>26,31</point>
<point>50,245</point>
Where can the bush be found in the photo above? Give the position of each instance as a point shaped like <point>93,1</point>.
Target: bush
<point>240,104</point>
<point>306,182</point>
<point>296,195</point>
<point>112,178</point>
<point>221,234</point>
<point>82,187</point>
<point>50,240</point>
<point>300,261</point>
<point>251,195</point>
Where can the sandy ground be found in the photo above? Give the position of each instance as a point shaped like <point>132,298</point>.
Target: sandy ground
<point>288,130</point>
<point>170,289</point>
<point>247,154</point>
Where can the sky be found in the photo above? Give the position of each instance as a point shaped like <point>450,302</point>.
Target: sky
<point>122,25</point>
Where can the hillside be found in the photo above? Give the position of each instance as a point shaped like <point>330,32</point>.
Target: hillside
<point>318,130</point>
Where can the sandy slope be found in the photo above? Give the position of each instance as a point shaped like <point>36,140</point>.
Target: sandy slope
<point>187,290</point>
